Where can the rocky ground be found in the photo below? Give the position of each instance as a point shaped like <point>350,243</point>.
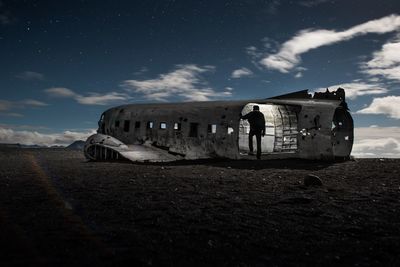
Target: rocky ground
<point>57,209</point>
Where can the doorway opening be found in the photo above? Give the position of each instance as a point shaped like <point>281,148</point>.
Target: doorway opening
<point>280,129</point>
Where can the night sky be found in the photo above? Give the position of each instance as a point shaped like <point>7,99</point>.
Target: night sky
<point>64,62</point>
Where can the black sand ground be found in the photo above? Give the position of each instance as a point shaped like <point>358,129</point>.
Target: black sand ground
<point>57,209</point>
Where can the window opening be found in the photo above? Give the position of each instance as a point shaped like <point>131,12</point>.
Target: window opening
<point>194,127</point>
<point>230,130</point>
<point>212,128</point>
<point>177,126</point>
<point>126,125</point>
<point>116,124</point>
<point>149,125</point>
<point>137,124</point>
<point>163,125</point>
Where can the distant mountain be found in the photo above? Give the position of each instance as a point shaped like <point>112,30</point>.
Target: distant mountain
<point>10,145</point>
<point>21,146</point>
<point>77,145</point>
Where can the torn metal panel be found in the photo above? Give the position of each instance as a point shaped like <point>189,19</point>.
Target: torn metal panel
<point>297,125</point>
<point>104,147</point>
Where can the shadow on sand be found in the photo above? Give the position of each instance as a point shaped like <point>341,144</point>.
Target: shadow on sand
<point>245,164</point>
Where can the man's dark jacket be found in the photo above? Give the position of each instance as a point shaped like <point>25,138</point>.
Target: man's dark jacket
<point>256,120</point>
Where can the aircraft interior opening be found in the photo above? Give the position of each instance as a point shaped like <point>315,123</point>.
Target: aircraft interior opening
<point>280,129</point>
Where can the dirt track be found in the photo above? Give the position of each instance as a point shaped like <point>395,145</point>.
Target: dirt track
<point>58,209</point>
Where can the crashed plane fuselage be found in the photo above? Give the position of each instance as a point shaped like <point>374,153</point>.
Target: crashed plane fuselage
<point>297,125</point>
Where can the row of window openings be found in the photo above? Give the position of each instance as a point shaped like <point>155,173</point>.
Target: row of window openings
<point>211,128</point>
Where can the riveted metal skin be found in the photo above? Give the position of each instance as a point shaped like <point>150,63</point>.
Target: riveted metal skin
<point>298,125</point>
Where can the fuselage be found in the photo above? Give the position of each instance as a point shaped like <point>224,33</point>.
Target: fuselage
<point>297,125</point>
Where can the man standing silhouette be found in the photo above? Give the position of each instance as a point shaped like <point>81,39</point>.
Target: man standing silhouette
<point>257,128</point>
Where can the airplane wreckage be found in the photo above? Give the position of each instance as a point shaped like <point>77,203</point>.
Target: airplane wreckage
<point>297,125</point>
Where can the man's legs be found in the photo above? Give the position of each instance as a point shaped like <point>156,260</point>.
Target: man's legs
<point>258,138</point>
<point>251,134</point>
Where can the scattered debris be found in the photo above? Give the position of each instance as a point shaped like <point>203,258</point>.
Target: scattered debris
<point>312,180</point>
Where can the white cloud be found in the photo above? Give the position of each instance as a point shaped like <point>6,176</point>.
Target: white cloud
<point>185,82</point>
<point>271,7</point>
<point>242,72</point>
<point>90,99</point>
<point>388,105</point>
<point>30,76</point>
<point>298,75</point>
<point>10,136</point>
<point>288,56</point>
<point>99,99</point>
<point>375,142</point>
<point>141,71</point>
<point>358,88</point>
<point>253,52</point>
<point>386,62</point>
<point>11,114</point>
<point>23,127</point>
<point>7,108</point>
<point>60,92</point>
<point>33,103</point>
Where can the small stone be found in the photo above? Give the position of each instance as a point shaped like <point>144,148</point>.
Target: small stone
<point>312,180</point>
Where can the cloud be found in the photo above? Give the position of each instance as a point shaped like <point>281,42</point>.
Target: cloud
<point>33,103</point>
<point>60,92</point>
<point>388,105</point>
<point>253,51</point>
<point>185,82</point>
<point>255,54</point>
<point>271,7</point>
<point>23,127</point>
<point>7,108</point>
<point>99,99</point>
<point>242,72</point>
<point>376,142</point>
<point>386,62</point>
<point>10,136</point>
<point>289,53</point>
<point>11,114</point>
<point>90,99</point>
<point>298,75</point>
<point>358,88</point>
<point>30,76</point>
<point>141,71</point>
